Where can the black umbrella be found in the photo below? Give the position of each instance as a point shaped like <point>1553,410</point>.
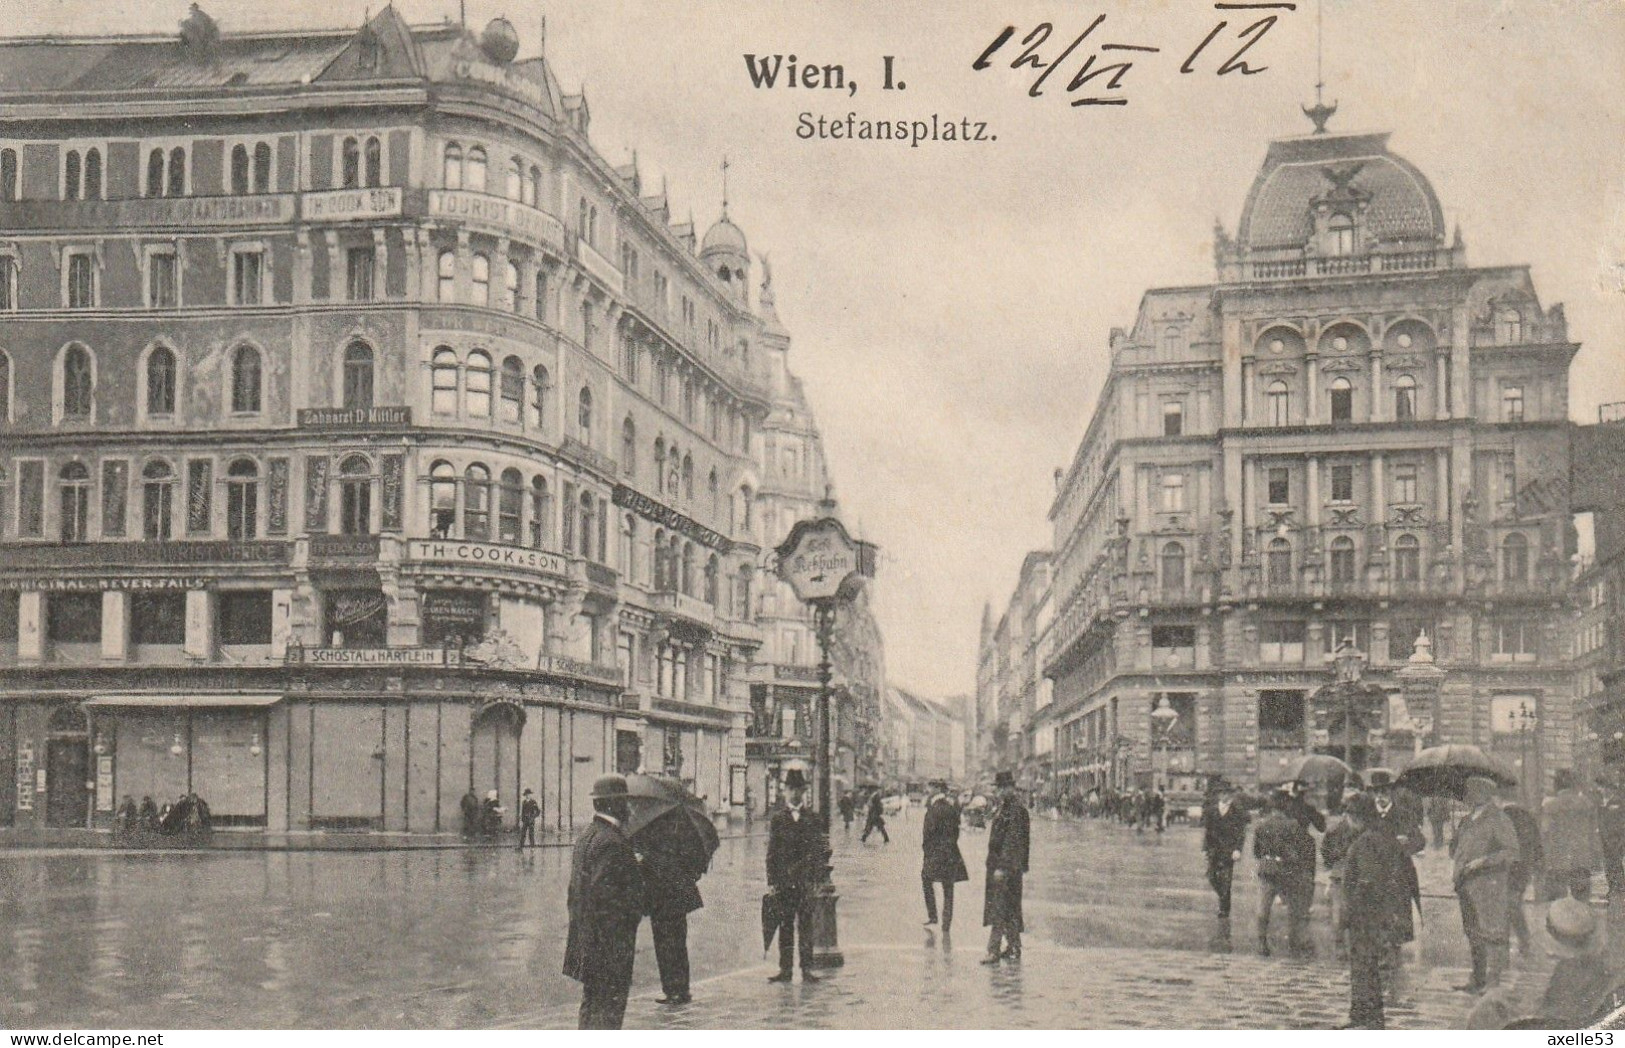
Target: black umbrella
<point>669,820</point>
<point>1443,771</point>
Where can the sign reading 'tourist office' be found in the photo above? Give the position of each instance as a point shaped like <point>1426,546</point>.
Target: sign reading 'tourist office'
<point>817,559</point>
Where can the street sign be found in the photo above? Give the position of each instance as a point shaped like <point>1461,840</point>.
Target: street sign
<point>817,559</point>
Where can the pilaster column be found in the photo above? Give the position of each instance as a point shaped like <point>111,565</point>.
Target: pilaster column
<point>1246,391</point>
<point>115,625</point>
<point>1376,386</point>
<point>199,624</point>
<point>281,622</point>
<point>380,264</point>
<point>30,627</point>
<point>465,263</point>
<point>1313,513</point>
<point>1441,485</point>
<point>1441,391</point>
<point>1379,502</point>
<point>302,275</point>
<point>499,277</point>
<point>1311,363</point>
<point>335,265</point>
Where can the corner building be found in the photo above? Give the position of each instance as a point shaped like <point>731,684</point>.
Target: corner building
<point>366,437</point>
<point>1352,435</point>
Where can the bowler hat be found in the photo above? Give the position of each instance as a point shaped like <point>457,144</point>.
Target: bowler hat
<point>608,786</point>
<point>795,779</point>
<point>1380,778</point>
<point>1003,779</point>
<point>1573,928</point>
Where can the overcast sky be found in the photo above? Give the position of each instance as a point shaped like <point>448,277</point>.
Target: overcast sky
<point>951,303</point>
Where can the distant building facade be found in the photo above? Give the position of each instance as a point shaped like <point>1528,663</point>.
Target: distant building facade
<point>924,740</point>
<point>1009,676</point>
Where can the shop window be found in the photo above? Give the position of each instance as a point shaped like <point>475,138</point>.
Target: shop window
<point>158,618</point>
<point>510,507</point>
<point>243,617</point>
<point>1280,719</point>
<point>356,619</point>
<point>477,503</point>
<point>73,618</point>
<point>442,500</point>
<point>453,617</point>
<point>358,376</point>
<point>74,486</point>
<point>1281,642</point>
<point>355,496</point>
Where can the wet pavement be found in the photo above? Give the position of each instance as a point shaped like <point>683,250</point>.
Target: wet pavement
<point>1121,933</point>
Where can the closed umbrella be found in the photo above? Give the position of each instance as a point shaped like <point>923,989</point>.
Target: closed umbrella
<point>1443,771</point>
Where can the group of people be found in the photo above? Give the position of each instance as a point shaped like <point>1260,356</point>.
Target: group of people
<point>186,816</point>
<point>1141,808</point>
<point>1370,835</point>
<point>873,804</point>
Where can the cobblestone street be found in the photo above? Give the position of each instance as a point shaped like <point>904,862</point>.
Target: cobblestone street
<point>1121,934</point>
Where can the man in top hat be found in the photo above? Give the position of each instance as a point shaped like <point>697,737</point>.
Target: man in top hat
<point>1224,832</point>
<point>796,853</point>
<point>529,812</point>
<point>1397,807</point>
<point>1486,844</point>
<point>1007,846</point>
<point>1379,887</point>
<point>943,862</point>
<point>606,901</point>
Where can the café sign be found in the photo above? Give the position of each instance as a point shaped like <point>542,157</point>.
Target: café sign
<point>818,559</point>
<point>446,551</point>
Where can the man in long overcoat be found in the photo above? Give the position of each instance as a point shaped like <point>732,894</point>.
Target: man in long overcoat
<point>606,901</point>
<point>1570,836</point>
<point>943,863</point>
<point>674,892</point>
<point>1486,844</point>
<point>1379,888</point>
<point>1007,845</point>
<point>1224,832</point>
<point>1285,854</point>
<point>796,853</point>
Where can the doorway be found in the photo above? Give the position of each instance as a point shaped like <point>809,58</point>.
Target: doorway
<point>496,756</point>
<point>67,766</point>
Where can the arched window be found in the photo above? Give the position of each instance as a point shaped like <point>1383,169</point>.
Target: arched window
<point>512,389</point>
<point>355,496</point>
<point>629,447</point>
<point>541,511</point>
<point>1342,394</point>
<point>242,499</point>
<point>747,511</point>
<point>155,173</point>
<point>480,280</point>
<point>712,492</point>
<point>374,162</point>
<point>443,379</point>
<point>70,175</point>
<point>78,382</point>
<point>589,509</point>
<point>352,164</point>
<point>1279,401</point>
<point>1509,327</point>
<point>629,547</point>
<point>687,580</point>
<point>1172,339</point>
<point>538,396</point>
<point>239,169</point>
<point>541,295</point>
<point>584,413</point>
<point>1342,558</point>
<point>516,179</point>
<point>451,169</point>
<point>262,167</point>
<point>712,571</point>
<point>446,277</point>
<point>742,598</point>
<point>477,386</point>
<point>1173,568</point>
<point>658,556</point>
<point>160,381</point>
<point>688,477</point>
<point>358,376</point>
<point>1341,228</point>
<point>93,174</point>
<point>1407,559</point>
<point>511,284</point>
<point>157,500</point>
<point>177,171</point>
<point>1404,398</point>
<point>1278,563</point>
<point>1512,404</point>
<point>1515,559</point>
<point>510,507</point>
<point>674,471</point>
<point>477,503</point>
<point>74,481</point>
<point>442,500</point>
<point>474,179</point>
<point>533,187</point>
<point>660,465</point>
<point>245,380</point>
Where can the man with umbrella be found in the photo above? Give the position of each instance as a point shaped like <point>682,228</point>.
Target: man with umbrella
<point>674,893</point>
<point>1007,846</point>
<point>1486,844</point>
<point>606,902</point>
<point>943,862</point>
<point>796,853</point>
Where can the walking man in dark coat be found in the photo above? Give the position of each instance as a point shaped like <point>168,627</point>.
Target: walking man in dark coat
<point>1286,869</point>
<point>1007,844</point>
<point>943,862</point>
<point>471,814</point>
<point>606,901</point>
<point>796,853</point>
<point>529,812</point>
<point>674,893</point>
<point>1379,888</point>
<point>848,805</point>
<point>876,819</point>
<point>1224,832</point>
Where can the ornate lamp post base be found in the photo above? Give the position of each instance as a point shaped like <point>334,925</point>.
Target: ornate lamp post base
<point>826,947</point>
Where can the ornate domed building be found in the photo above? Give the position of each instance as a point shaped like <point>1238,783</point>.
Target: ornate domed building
<point>1347,437</point>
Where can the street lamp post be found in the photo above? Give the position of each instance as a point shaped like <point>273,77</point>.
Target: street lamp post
<point>1525,720</point>
<point>1163,719</point>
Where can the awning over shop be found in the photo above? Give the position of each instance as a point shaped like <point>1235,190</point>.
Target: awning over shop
<point>162,701</point>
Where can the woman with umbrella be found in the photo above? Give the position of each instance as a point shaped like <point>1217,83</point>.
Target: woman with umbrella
<point>672,831</point>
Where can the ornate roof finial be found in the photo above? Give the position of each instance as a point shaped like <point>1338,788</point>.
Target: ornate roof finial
<point>725,187</point>
<point>1320,112</point>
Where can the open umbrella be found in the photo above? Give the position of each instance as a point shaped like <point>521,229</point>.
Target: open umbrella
<point>1318,768</point>
<point>1442,771</point>
<point>665,816</point>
